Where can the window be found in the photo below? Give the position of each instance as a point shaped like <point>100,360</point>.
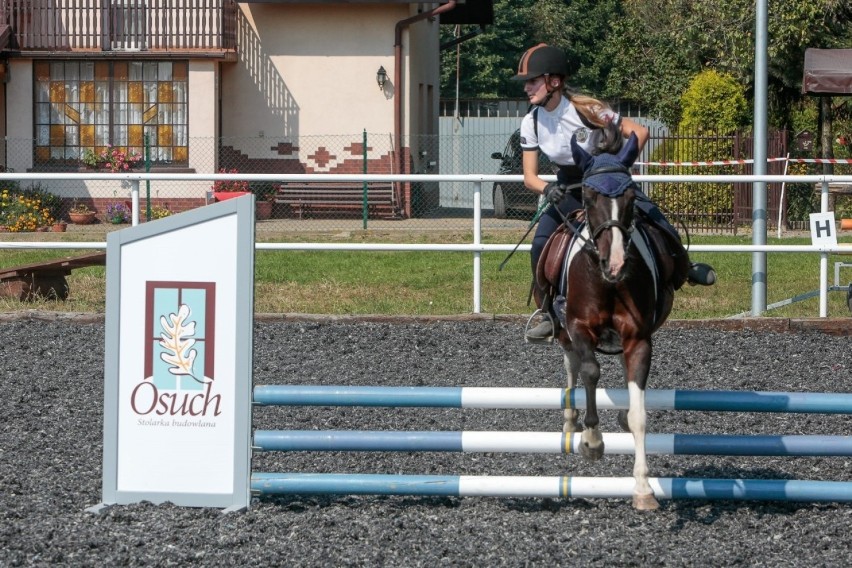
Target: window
<point>126,23</point>
<point>92,104</point>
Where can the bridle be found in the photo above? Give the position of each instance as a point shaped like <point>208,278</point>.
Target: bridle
<point>626,230</point>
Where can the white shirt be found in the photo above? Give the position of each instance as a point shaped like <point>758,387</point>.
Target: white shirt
<point>555,129</point>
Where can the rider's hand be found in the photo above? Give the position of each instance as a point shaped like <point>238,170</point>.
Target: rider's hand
<point>554,192</point>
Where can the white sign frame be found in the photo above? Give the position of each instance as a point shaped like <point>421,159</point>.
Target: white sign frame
<point>178,359</point>
<point>823,229</point>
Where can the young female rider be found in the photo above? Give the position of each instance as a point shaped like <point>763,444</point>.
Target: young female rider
<point>548,128</point>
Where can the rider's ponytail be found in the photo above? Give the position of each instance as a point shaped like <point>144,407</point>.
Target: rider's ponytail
<point>591,109</point>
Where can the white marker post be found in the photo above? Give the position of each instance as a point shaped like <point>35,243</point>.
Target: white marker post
<point>823,235</point>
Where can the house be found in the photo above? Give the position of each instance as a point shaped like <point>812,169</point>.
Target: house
<point>270,86</point>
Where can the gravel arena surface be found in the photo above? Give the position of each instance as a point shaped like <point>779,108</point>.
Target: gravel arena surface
<point>51,397</point>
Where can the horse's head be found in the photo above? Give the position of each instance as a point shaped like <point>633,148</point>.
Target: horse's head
<point>608,196</point>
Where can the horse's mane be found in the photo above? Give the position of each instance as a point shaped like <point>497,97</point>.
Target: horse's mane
<point>611,140</point>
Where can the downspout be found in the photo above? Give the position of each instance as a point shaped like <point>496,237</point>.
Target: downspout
<point>397,74</point>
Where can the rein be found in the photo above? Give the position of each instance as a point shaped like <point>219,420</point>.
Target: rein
<point>612,223</point>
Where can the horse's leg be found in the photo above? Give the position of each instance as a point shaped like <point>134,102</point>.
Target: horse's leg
<point>572,366</point>
<point>622,414</point>
<point>591,441</point>
<point>637,357</point>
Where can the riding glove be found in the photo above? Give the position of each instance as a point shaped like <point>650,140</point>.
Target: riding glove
<point>554,192</point>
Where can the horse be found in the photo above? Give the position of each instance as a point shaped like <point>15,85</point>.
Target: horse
<point>611,297</point>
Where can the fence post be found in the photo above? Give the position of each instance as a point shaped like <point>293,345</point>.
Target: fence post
<point>477,240</point>
<point>134,200</point>
<point>365,206</point>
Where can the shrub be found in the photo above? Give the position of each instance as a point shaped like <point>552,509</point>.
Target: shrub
<point>230,185</point>
<point>714,107</point>
<point>20,211</point>
<point>158,212</point>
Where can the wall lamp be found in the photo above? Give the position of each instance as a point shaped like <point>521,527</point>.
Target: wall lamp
<point>381,77</point>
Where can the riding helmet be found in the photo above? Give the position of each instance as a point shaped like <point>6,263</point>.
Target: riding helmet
<point>540,60</point>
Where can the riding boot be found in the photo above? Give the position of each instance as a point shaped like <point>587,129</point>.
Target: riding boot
<point>548,327</point>
<point>701,274</point>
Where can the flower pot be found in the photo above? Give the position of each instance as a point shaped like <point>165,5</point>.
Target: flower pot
<point>223,195</point>
<point>263,210</point>
<point>82,218</point>
<point>846,224</point>
<point>59,227</point>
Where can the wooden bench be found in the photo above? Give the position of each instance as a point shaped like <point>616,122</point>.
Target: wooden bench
<point>835,190</point>
<point>44,279</point>
<point>306,199</point>
<point>836,187</point>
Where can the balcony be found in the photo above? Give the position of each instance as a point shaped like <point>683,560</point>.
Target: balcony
<point>185,28</point>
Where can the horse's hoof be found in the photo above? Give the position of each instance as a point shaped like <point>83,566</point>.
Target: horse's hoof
<point>592,453</point>
<point>622,421</point>
<point>645,502</point>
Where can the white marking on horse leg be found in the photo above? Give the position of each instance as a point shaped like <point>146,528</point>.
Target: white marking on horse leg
<point>572,366</point>
<point>616,249</point>
<point>643,495</point>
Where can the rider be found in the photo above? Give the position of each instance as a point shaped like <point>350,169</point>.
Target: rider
<point>555,117</point>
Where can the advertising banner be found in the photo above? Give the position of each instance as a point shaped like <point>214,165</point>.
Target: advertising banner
<point>178,360</point>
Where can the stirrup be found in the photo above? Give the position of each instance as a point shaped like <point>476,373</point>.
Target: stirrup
<point>548,317</point>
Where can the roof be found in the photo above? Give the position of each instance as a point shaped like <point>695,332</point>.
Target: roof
<point>828,71</point>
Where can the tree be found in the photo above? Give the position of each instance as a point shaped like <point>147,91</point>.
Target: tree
<point>661,44</point>
<point>487,62</point>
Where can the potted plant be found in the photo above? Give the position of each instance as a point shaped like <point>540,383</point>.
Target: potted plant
<point>80,214</point>
<point>111,158</point>
<point>228,189</point>
<point>59,226</point>
<point>117,213</point>
<point>263,192</point>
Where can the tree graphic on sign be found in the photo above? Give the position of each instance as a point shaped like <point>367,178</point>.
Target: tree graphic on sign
<point>176,339</point>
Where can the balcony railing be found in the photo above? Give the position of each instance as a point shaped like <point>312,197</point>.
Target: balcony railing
<point>120,25</point>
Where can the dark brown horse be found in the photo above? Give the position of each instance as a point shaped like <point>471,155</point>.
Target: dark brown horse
<point>615,297</point>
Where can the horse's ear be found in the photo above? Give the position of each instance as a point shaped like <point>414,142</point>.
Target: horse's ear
<point>629,151</point>
<point>581,157</point>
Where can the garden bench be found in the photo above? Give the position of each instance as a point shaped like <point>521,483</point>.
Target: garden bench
<point>44,279</point>
<point>305,199</point>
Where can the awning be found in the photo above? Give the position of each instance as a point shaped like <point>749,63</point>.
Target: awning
<point>828,72</point>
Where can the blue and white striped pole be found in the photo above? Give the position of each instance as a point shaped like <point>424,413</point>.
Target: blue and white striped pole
<point>550,398</point>
<point>549,487</point>
<point>547,442</point>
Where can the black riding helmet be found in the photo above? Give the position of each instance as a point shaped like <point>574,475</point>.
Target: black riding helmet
<point>540,60</point>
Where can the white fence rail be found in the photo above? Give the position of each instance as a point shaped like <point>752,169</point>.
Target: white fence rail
<point>476,247</point>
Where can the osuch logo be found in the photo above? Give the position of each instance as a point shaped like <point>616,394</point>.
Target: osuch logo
<point>179,377</point>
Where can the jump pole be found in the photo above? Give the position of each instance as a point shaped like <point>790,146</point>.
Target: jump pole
<point>549,398</point>
<point>546,443</point>
<point>549,487</point>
